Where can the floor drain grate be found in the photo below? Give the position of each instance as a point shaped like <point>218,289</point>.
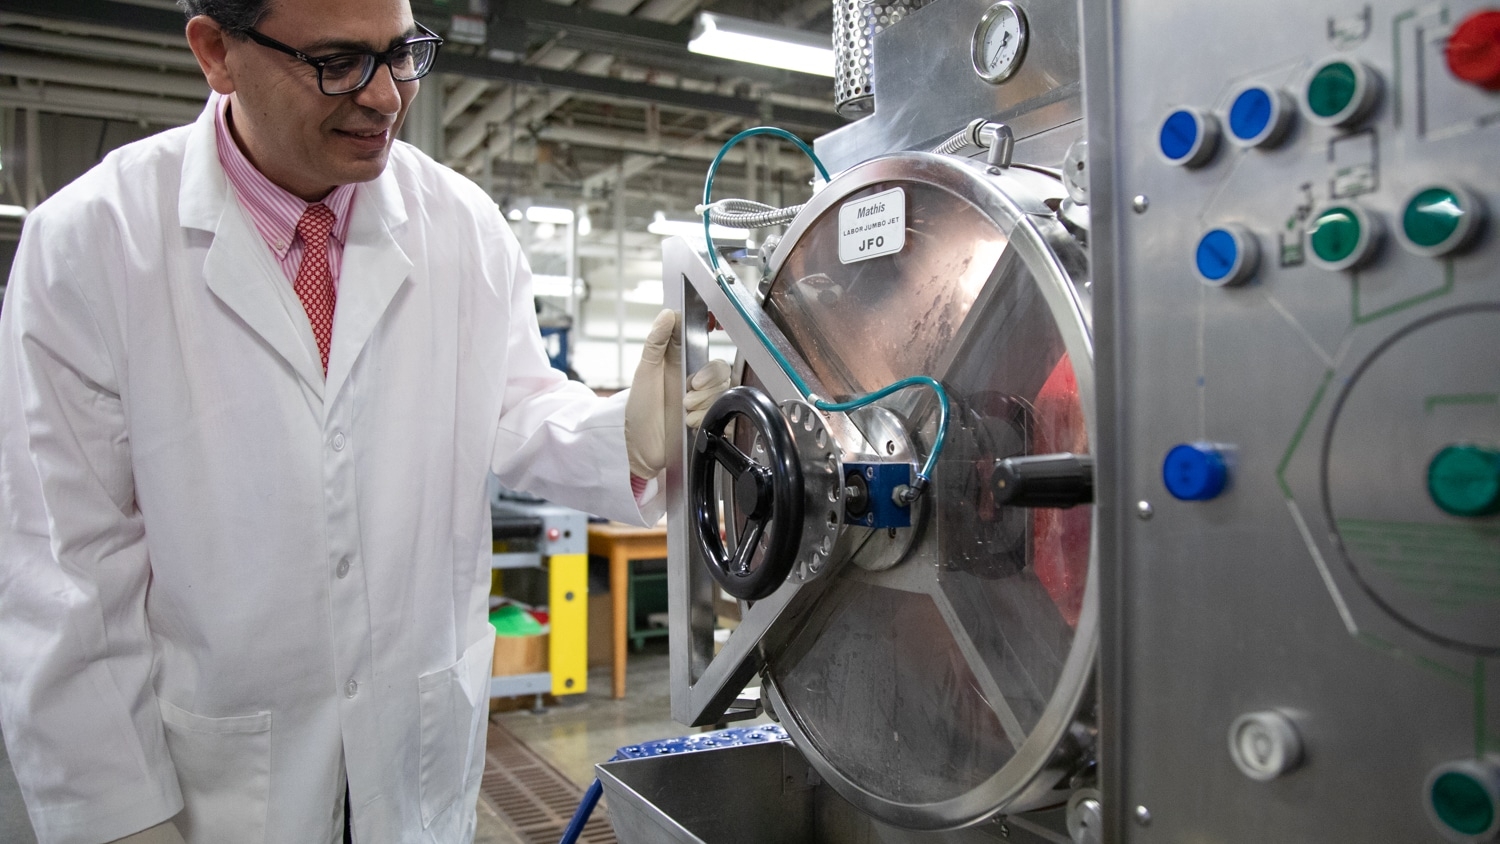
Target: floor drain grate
<point>532,796</point>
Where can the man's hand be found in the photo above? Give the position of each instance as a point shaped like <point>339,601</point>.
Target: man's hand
<point>163,833</point>
<point>704,388</point>
<point>645,408</point>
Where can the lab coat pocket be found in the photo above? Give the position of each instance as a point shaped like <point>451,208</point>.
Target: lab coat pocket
<point>454,703</point>
<point>224,768</point>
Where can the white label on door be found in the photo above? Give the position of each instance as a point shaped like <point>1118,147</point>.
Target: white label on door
<point>872,226</point>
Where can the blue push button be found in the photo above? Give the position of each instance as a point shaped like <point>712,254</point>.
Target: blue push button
<point>1216,256</point>
<point>1258,116</point>
<point>1188,137</point>
<point>1250,113</point>
<point>1226,255</point>
<point>1194,472</point>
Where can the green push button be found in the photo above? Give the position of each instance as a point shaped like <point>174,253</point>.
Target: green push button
<point>1462,803</point>
<point>1332,89</point>
<point>1439,219</point>
<point>1432,217</point>
<point>1335,235</point>
<point>1339,91</point>
<point>1464,480</point>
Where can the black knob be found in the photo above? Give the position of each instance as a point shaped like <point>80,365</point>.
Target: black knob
<point>1044,480</point>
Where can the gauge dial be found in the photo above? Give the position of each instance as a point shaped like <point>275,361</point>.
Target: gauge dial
<point>999,42</point>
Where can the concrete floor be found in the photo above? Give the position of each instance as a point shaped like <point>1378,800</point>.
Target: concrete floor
<point>584,730</point>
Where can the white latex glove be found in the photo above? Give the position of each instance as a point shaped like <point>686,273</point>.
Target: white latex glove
<point>163,833</point>
<point>704,388</point>
<point>646,406</point>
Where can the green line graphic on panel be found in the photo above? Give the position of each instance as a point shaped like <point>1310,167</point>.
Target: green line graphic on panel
<point>1450,565</point>
<point>1447,673</point>
<point>1291,448</point>
<point>1431,403</point>
<point>1363,318</point>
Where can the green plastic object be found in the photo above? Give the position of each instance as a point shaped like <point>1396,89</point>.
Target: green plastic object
<point>511,620</point>
<point>1331,89</point>
<point>1462,803</point>
<point>1464,480</point>
<point>1432,217</point>
<point>1335,234</point>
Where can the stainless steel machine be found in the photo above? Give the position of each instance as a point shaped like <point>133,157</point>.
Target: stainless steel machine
<point>1300,418</point>
<point>1281,619</point>
<point>900,491</point>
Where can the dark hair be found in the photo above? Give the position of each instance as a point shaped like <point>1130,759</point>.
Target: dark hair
<point>235,16</point>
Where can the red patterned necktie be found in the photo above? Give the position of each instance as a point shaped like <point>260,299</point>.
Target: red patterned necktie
<point>314,284</point>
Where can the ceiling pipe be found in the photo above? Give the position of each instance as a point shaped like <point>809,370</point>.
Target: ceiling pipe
<point>101,76</point>
<point>99,48</point>
<point>83,102</point>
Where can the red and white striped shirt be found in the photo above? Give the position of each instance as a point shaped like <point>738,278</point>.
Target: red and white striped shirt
<point>275,210</point>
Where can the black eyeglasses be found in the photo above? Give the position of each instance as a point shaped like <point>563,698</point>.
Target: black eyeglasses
<point>345,73</point>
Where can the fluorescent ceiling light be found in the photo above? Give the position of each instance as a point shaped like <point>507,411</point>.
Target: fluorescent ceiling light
<point>12,211</point>
<point>692,229</point>
<point>544,214</point>
<point>759,43</point>
<point>646,292</point>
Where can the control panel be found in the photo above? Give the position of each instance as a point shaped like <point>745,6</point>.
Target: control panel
<point>1297,316</point>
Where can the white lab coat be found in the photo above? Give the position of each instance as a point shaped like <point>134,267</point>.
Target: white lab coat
<point>221,576</point>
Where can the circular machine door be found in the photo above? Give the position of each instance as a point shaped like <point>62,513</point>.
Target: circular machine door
<point>943,674</point>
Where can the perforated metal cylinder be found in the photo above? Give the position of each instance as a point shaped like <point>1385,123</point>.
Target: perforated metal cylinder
<point>855,23</point>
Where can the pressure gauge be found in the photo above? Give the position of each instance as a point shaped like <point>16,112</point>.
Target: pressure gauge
<point>999,42</point>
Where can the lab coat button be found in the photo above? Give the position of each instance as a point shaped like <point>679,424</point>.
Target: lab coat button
<point>338,441</point>
<point>351,689</point>
<point>343,568</point>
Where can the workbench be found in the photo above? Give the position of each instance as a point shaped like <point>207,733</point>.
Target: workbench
<point>622,544</point>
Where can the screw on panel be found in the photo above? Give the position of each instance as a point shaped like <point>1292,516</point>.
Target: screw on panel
<point>1143,816</point>
<point>1144,509</point>
<point>1140,203</point>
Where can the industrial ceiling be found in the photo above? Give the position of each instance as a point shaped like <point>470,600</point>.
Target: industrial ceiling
<point>596,106</point>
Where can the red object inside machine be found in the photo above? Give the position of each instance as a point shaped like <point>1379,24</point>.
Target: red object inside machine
<point>1060,538</point>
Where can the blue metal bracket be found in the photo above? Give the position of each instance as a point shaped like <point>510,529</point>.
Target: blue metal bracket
<point>880,482</point>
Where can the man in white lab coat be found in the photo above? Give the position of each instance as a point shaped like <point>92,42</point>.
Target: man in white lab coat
<point>243,528</point>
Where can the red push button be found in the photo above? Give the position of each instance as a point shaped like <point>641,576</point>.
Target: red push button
<point>1474,50</point>
<point>553,534</point>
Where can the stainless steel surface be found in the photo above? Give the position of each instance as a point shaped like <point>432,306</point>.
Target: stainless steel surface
<point>927,87</point>
<point>1324,582</point>
<point>767,793</point>
<point>878,550</point>
<point>823,489</point>
<point>855,25</point>
<point>962,671</point>
<point>704,684</point>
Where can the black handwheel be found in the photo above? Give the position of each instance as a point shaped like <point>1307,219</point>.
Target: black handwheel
<point>769,495</point>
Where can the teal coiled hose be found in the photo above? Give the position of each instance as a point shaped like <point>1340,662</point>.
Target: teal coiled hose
<point>924,476</point>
